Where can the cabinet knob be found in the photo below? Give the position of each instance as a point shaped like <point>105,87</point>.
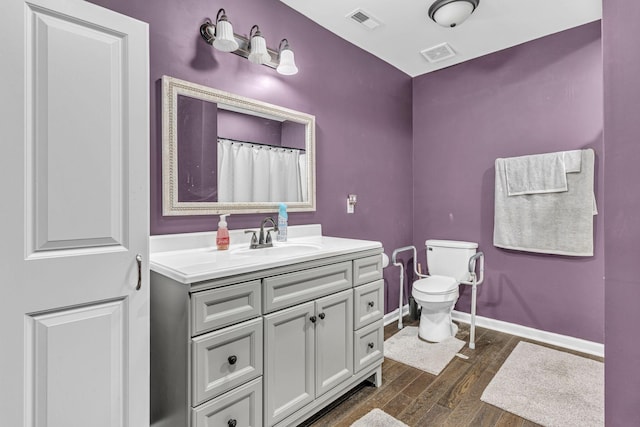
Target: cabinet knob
<point>232,423</point>
<point>321,316</point>
<point>370,345</point>
<point>313,319</point>
<point>371,303</point>
<point>232,361</point>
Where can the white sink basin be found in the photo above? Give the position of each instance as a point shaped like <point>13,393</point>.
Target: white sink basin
<point>192,257</point>
<point>278,250</point>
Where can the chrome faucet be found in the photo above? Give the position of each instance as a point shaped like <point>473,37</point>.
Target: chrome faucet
<point>264,241</point>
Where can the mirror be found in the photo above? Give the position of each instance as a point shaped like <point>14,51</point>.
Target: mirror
<point>224,153</point>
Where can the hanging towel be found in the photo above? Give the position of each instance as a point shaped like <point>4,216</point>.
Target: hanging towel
<point>572,160</point>
<point>535,174</point>
<point>555,223</point>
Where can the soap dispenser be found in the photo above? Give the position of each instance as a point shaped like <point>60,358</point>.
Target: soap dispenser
<point>222,235</point>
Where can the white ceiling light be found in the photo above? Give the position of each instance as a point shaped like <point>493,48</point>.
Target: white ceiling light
<point>450,13</point>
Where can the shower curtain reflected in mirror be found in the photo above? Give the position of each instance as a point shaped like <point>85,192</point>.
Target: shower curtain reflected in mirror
<point>259,173</point>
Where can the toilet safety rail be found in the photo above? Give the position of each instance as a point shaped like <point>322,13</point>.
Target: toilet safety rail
<point>476,279</point>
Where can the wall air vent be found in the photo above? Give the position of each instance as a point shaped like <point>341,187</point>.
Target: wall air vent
<point>438,53</point>
<point>364,18</point>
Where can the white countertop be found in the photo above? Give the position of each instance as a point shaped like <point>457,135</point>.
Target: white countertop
<point>193,257</point>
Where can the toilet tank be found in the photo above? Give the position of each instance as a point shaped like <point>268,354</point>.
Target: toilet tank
<point>450,258</point>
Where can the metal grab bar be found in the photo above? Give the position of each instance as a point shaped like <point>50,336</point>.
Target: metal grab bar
<point>398,264</point>
<point>474,290</point>
<point>415,259</point>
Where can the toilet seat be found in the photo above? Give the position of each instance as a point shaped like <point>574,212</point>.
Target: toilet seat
<point>435,289</point>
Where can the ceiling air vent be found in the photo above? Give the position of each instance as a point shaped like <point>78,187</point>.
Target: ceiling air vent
<point>438,53</point>
<point>364,18</point>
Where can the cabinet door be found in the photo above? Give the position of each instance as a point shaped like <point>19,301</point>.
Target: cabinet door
<point>334,340</point>
<point>289,361</point>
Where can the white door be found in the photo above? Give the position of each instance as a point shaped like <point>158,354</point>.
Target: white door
<point>74,331</point>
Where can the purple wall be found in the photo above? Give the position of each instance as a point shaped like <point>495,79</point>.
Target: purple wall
<point>243,127</point>
<point>538,97</point>
<point>363,113</point>
<point>620,33</point>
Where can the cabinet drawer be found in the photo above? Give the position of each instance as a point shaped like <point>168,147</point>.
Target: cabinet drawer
<point>224,306</point>
<point>226,358</point>
<point>301,286</point>
<point>369,303</point>
<point>369,342</point>
<point>244,405</point>
<point>367,270</point>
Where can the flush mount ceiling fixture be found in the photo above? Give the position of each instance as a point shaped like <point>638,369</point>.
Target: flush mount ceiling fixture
<point>450,13</point>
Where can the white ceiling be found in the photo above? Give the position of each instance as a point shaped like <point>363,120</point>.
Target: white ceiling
<point>406,28</point>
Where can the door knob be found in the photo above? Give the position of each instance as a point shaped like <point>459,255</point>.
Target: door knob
<point>232,360</point>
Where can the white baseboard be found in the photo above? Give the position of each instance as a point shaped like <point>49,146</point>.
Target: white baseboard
<point>564,341</point>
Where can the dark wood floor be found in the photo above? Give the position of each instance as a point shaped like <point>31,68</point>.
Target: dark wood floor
<point>418,398</point>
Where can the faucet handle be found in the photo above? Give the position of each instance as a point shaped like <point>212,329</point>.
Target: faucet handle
<point>268,239</point>
<point>254,238</point>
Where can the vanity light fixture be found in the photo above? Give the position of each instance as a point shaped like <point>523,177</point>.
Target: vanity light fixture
<point>287,65</point>
<point>221,36</point>
<point>257,47</point>
<point>450,13</point>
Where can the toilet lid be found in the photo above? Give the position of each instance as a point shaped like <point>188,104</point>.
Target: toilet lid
<point>436,284</point>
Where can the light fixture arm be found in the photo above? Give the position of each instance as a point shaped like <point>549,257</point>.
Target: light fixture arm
<point>254,33</point>
<point>286,45</point>
<point>221,14</point>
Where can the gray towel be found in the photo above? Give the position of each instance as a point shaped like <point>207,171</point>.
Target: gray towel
<point>535,174</point>
<point>555,223</point>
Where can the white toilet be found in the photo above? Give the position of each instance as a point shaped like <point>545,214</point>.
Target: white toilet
<point>448,265</point>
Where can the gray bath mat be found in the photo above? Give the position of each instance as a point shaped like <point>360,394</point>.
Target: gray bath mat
<point>378,418</point>
<point>549,387</point>
<point>407,348</point>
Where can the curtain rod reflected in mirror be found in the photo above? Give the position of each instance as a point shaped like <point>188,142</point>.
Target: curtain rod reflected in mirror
<point>205,173</point>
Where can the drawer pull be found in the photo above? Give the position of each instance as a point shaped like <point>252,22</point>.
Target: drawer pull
<point>370,345</point>
<point>313,319</point>
<point>232,423</point>
<point>232,361</point>
<point>321,316</point>
<point>371,303</point>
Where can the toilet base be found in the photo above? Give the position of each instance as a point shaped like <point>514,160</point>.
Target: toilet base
<point>436,326</point>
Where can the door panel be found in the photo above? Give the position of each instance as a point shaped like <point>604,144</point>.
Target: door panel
<point>334,340</point>
<point>75,174</point>
<point>289,361</point>
<point>75,153</point>
<point>96,364</point>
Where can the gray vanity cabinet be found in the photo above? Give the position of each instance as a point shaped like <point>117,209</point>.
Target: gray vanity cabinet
<point>265,348</point>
